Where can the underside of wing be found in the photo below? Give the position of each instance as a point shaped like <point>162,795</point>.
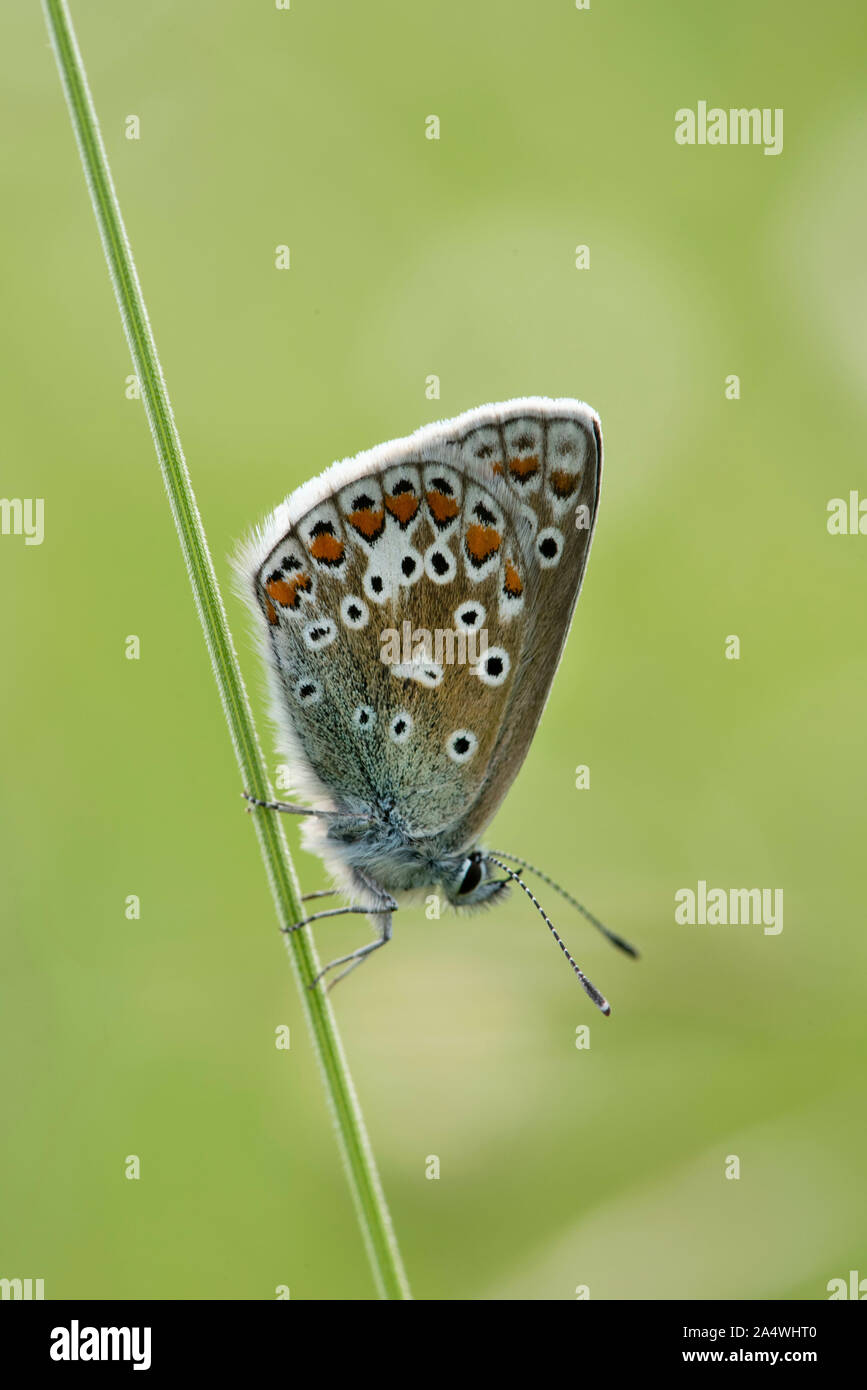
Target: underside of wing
<point>416,600</point>
<point>545,457</point>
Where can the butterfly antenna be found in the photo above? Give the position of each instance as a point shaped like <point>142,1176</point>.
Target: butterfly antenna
<point>600,926</point>
<point>598,999</point>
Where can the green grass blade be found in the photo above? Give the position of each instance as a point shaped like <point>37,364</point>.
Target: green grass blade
<point>355,1146</point>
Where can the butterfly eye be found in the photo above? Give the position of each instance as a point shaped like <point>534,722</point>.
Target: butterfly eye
<point>473,876</point>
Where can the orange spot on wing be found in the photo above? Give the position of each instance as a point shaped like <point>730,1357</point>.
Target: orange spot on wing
<point>563,483</point>
<point>287,592</point>
<point>524,467</point>
<point>403,506</point>
<point>512,583</point>
<point>497,468</point>
<point>444,508</point>
<point>482,541</point>
<point>368,522</point>
<point>270,611</point>
<point>327,547</point>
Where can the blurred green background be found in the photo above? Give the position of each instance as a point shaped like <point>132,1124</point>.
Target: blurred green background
<point>410,257</point>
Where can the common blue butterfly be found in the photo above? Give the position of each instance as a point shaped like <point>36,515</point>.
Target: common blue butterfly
<point>370,584</point>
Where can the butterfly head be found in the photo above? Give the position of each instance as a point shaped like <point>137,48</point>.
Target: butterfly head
<point>471,883</point>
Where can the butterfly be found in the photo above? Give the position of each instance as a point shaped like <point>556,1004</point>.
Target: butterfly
<point>413,603</point>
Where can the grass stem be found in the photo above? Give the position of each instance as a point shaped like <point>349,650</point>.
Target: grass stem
<point>349,1123</point>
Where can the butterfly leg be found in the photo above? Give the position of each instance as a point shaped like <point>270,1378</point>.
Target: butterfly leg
<point>381,915</point>
<point>330,912</point>
<point>290,809</point>
<point>287,806</point>
<point>355,958</point>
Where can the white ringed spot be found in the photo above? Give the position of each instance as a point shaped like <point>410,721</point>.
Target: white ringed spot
<point>461,745</point>
<point>319,633</point>
<point>375,586</point>
<point>307,691</point>
<point>549,547</point>
<point>364,717</point>
<point>427,673</point>
<point>411,567</point>
<point>493,666</point>
<point>469,616</point>
<point>354,612</point>
<point>439,563</point>
<point>400,727</point>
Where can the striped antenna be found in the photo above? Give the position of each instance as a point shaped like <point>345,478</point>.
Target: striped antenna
<point>598,999</point>
<point>615,940</point>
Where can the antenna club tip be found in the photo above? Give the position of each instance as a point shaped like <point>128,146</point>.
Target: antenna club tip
<point>606,1009</point>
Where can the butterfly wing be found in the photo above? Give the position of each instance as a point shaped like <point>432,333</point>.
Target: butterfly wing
<point>379,582</point>
<point>547,456</point>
